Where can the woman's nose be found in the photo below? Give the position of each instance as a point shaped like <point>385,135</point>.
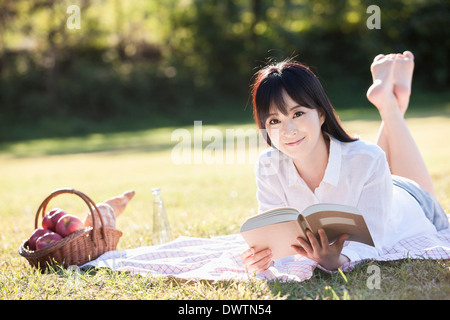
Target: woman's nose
<point>289,129</point>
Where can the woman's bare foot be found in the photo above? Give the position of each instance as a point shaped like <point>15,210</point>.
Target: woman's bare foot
<point>119,203</point>
<point>375,62</point>
<point>381,92</point>
<point>403,72</point>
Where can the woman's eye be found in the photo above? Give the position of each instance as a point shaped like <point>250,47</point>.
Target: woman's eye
<point>273,121</point>
<point>298,114</point>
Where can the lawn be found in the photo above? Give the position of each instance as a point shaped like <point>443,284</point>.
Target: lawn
<point>202,200</point>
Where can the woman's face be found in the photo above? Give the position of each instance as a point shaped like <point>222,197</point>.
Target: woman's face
<point>298,133</point>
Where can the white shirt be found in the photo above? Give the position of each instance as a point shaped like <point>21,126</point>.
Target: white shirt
<point>357,174</point>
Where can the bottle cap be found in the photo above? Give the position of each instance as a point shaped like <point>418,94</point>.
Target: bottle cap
<point>156,191</point>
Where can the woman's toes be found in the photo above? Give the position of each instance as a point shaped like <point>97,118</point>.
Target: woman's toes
<point>378,57</point>
<point>408,54</point>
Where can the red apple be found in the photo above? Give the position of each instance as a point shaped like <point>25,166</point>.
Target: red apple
<point>51,218</point>
<point>68,224</point>
<point>35,235</point>
<point>47,240</point>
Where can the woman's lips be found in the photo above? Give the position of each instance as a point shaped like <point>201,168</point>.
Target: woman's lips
<point>294,143</point>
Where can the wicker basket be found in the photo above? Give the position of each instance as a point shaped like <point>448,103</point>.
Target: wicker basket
<point>77,248</point>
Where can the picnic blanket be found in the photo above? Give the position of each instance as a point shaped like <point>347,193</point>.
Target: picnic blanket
<point>218,258</point>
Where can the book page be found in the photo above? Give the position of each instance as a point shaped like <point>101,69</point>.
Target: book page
<point>278,237</point>
<point>329,207</point>
<point>273,216</point>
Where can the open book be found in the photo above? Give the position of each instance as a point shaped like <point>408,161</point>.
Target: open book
<point>279,228</point>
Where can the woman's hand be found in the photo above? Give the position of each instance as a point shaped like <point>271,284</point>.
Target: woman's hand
<point>256,262</point>
<point>328,256</point>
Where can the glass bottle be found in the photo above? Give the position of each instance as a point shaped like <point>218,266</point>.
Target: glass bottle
<point>161,228</point>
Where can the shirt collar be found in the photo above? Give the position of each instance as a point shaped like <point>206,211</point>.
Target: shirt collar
<point>332,172</point>
<point>293,175</point>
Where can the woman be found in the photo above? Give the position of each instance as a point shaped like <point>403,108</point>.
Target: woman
<point>313,160</point>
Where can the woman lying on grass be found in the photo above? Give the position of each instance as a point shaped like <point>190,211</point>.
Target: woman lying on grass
<point>312,160</point>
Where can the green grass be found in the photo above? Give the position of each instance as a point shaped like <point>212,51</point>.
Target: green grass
<point>201,200</point>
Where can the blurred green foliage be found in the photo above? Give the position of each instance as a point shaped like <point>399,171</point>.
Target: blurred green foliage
<point>135,64</point>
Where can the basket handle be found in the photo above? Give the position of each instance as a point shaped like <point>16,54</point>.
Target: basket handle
<point>93,210</point>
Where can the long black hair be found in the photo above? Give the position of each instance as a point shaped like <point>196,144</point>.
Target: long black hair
<point>302,85</point>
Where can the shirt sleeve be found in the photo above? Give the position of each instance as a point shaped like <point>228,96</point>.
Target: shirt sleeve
<point>374,203</point>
